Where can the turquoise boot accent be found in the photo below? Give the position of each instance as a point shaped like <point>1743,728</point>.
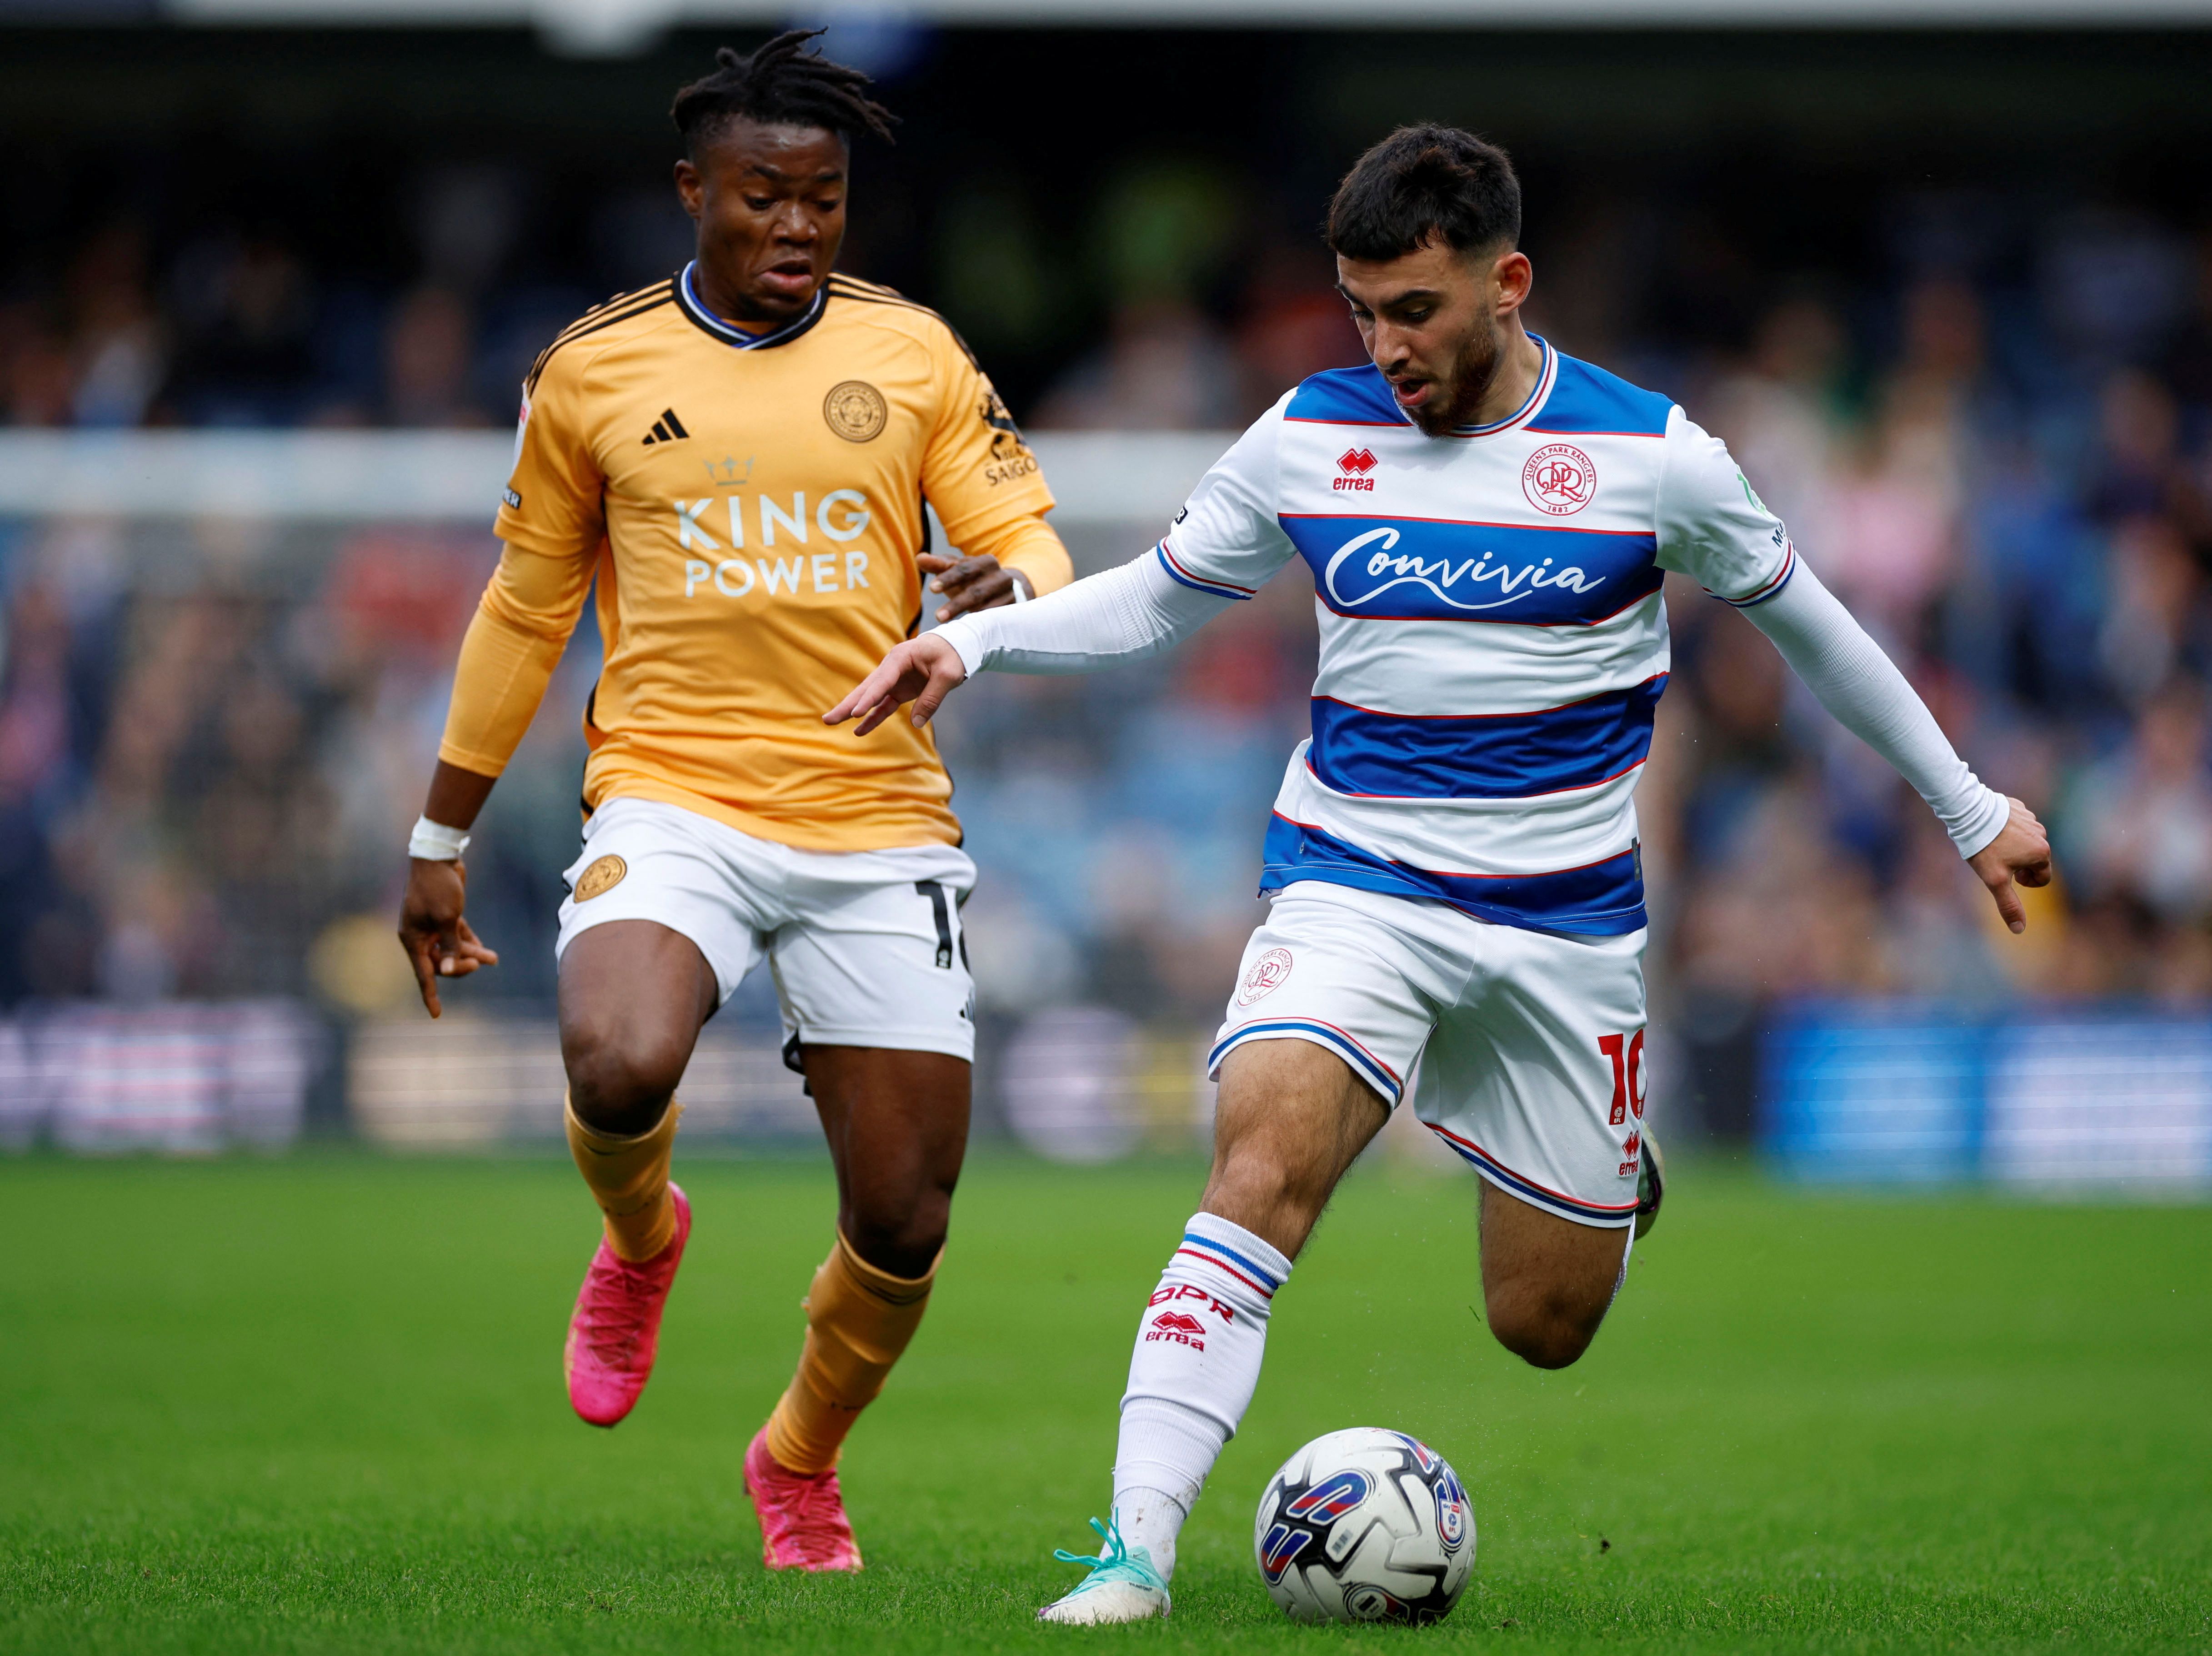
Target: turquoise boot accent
<point>1116,1564</point>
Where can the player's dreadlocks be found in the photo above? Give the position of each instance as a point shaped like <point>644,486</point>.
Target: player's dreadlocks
<point>1424,183</point>
<point>780,83</point>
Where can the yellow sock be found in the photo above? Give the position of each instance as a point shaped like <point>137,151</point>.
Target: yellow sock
<point>629,1178</point>
<point>859,1319</point>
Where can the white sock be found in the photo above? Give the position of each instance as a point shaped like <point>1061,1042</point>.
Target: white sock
<point>1191,1379</point>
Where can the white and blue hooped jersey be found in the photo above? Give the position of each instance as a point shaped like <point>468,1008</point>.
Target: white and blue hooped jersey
<point>1494,645</point>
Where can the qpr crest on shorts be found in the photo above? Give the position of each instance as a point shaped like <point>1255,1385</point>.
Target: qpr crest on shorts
<point>1266,975</point>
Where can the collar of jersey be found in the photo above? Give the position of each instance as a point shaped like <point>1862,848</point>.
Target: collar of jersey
<point>687,301</point>
<point>1546,376</point>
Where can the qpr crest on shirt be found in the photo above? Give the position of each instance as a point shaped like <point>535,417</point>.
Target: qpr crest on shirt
<point>1560,479</point>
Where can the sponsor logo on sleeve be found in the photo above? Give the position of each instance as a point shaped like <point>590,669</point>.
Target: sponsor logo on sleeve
<point>1010,455</point>
<point>511,497</point>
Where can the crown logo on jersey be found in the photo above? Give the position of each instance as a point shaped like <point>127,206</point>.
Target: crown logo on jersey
<point>666,428</point>
<point>1357,461</point>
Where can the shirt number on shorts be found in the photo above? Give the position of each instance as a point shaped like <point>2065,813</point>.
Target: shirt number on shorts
<point>1626,1053</point>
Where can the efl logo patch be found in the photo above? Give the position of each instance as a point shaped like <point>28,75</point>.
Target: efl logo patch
<point>1559,480</point>
<point>601,878</point>
<point>1453,1513</point>
<point>1267,972</point>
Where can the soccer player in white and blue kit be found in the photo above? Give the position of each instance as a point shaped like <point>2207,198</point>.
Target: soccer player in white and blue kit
<point>1458,905</point>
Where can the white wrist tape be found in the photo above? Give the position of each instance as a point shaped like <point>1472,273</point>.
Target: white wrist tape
<point>1021,586</point>
<point>434,842</point>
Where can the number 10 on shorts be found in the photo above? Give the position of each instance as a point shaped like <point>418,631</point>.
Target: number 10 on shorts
<point>1626,1053</point>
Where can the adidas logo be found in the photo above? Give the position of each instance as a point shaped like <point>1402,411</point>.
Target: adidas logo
<point>666,428</point>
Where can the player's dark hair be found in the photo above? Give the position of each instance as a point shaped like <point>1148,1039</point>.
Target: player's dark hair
<point>1424,184</point>
<point>781,83</point>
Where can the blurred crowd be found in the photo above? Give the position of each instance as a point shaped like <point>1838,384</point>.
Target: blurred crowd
<point>1206,315</point>
<point>1998,448</point>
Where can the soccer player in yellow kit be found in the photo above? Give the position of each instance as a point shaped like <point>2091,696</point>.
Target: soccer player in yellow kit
<point>738,458</point>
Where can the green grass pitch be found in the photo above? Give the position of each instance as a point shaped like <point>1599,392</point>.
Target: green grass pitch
<point>316,1406</point>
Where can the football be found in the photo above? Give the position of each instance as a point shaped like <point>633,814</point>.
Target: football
<point>1366,1525</point>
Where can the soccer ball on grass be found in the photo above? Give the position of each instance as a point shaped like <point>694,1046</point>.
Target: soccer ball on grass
<point>1366,1525</point>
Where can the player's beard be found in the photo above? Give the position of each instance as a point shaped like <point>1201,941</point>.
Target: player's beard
<point>1472,372</point>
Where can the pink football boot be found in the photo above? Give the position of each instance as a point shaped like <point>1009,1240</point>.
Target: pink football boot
<point>802,1519</point>
<point>615,1331</point>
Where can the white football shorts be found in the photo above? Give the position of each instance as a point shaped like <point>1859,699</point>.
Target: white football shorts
<point>865,946</point>
<point>1523,1050</point>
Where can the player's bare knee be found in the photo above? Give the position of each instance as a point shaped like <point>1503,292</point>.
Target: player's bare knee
<point>905,1246</point>
<point>1544,1341</point>
<point>1546,1329</point>
<point>620,1083</point>
<point>1255,1186</point>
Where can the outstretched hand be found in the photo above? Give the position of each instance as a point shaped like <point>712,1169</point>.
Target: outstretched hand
<point>2021,854</point>
<point>923,671</point>
<point>439,941</point>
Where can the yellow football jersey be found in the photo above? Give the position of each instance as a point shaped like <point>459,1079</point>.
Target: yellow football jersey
<point>752,507</point>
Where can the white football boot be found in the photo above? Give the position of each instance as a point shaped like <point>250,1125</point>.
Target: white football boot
<point>1122,1586</point>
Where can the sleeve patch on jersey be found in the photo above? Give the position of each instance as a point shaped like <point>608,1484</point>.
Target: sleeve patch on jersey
<point>512,498</point>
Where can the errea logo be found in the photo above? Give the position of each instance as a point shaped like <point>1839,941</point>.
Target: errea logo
<point>1355,464</point>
